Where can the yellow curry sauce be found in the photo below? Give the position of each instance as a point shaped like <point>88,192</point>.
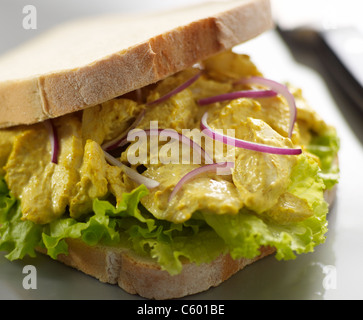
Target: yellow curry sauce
<point>259,181</point>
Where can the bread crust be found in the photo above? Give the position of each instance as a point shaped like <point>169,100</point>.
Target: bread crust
<point>143,276</point>
<point>105,71</point>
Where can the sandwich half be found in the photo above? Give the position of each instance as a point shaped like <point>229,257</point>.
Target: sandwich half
<point>145,152</point>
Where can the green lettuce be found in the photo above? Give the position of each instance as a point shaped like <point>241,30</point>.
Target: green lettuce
<point>168,243</point>
<point>326,147</point>
<point>21,237</point>
<point>246,232</point>
<point>200,240</point>
<point>128,225</point>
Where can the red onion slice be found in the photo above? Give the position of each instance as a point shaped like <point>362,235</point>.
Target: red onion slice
<point>280,89</point>
<point>176,90</point>
<point>243,143</point>
<point>132,174</point>
<point>174,135</point>
<point>115,143</point>
<point>225,168</point>
<point>53,136</point>
<point>238,94</point>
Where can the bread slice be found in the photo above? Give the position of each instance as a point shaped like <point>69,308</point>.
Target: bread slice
<point>87,62</point>
<point>142,276</point>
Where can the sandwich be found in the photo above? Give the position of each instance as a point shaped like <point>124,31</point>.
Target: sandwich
<point>145,152</point>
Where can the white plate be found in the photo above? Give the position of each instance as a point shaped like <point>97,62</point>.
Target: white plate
<point>333,271</point>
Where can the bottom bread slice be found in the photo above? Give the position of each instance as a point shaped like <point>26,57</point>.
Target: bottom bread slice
<point>143,276</point>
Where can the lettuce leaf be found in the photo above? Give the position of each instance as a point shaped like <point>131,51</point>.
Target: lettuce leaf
<point>326,147</point>
<point>125,224</point>
<point>19,238</point>
<point>98,228</point>
<point>245,232</point>
<point>168,243</point>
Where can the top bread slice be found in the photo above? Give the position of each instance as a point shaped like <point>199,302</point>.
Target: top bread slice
<point>90,61</point>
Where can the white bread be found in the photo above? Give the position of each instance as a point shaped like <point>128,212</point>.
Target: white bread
<point>88,62</point>
<point>138,275</point>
